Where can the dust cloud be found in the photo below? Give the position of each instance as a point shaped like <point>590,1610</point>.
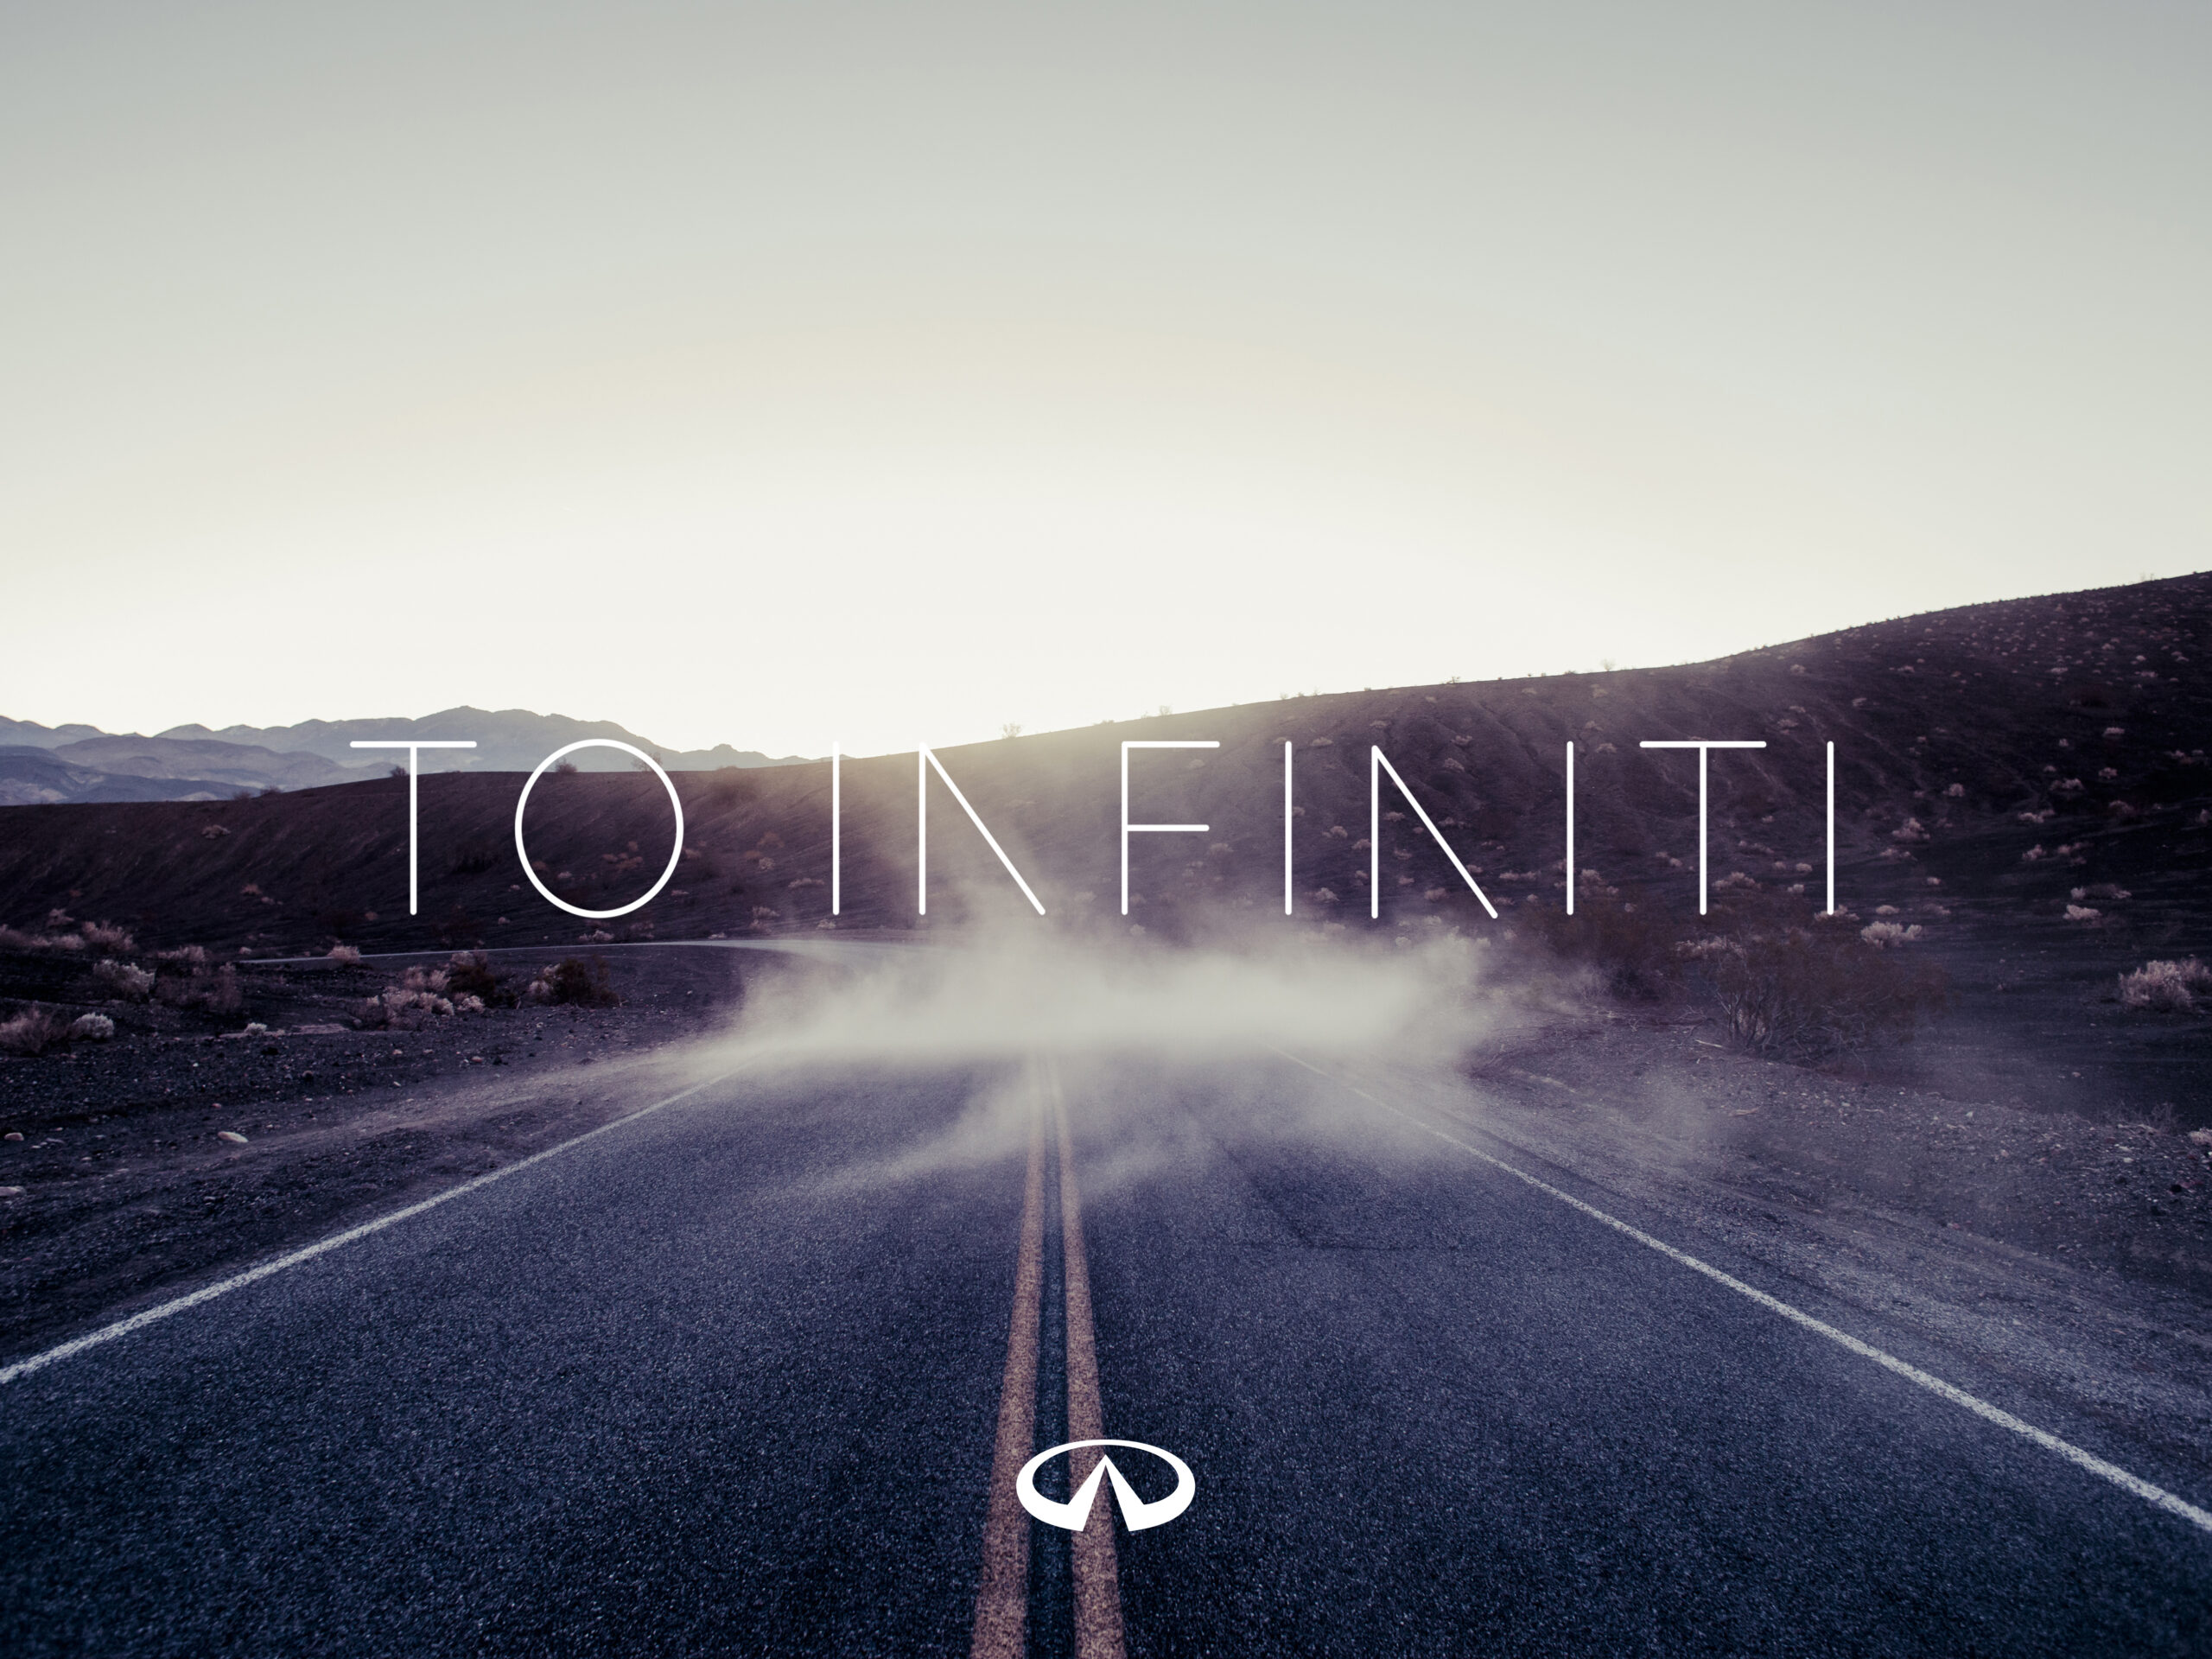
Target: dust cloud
<point>1007,999</point>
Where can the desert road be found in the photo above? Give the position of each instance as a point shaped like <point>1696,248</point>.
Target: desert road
<point>754,1372</point>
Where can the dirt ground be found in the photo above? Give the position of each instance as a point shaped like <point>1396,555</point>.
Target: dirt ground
<point>2133,1196</point>
<point>122,1188</point>
<point>2071,1256</point>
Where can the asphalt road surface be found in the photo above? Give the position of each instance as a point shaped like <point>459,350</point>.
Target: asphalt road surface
<point>751,1372</point>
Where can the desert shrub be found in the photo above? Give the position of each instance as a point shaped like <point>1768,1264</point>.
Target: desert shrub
<point>1632,945</point>
<point>1805,993</point>
<point>2167,987</point>
<point>104,935</point>
<point>124,979</point>
<point>1884,935</point>
<point>223,994</point>
<point>575,981</point>
<point>470,974</point>
<point>90,1028</point>
<point>197,986</point>
<point>33,1032</point>
<point>345,953</point>
<point>403,1006</point>
<point>422,993</point>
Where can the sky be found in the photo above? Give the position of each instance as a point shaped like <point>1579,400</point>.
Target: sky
<point>881,375</point>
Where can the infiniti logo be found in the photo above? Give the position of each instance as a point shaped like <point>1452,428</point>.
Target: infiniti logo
<point>1136,1514</point>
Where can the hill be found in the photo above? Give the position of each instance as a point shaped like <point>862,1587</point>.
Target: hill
<point>2001,769</point>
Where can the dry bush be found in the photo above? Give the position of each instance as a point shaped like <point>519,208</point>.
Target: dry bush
<point>197,986</point>
<point>429,992</point>
<point>575,982</point>
<point>1807,992</point>
<point>403,1007</point>
<point>104,936</point>
<point>90,1028</point>
<point>345,953</point>
<point>1634,946</point>
<point>470,976</point>
<point>127,981</point>
<point>33,1032</point>
<point>2166,987</point>
<point>223,995</point>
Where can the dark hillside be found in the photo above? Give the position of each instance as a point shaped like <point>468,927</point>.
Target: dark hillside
<point>1996,765</point>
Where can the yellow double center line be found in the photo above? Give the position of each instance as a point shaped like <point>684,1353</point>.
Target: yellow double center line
<point>1003,1593</point>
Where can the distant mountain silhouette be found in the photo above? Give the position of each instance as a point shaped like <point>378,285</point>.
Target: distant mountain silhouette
<point>33,775</point>
<point>49,764</point>
<point>29,733</point>
<point>239,765</point>
<point>509,740</point>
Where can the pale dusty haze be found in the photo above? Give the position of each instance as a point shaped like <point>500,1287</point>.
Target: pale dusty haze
<point>788,375</point>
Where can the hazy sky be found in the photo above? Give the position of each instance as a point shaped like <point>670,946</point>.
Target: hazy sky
<point>882,373</point>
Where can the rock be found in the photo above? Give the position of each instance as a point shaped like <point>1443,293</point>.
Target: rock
<point>12,1192</point>
<point>13,1134</point>
<point>231,1136</point>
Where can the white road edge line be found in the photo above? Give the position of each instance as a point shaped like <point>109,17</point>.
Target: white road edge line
<point>236,1281</point>
<point>2157,1496</point>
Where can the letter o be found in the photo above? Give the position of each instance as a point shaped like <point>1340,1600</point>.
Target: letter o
<point>674,853</point>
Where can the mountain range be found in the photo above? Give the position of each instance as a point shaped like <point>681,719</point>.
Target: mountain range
<point>47,764</point>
